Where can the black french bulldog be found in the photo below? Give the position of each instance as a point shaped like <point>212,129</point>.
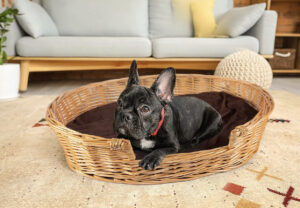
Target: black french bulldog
<point>155,121</point>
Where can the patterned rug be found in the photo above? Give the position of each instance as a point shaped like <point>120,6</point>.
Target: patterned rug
<point>34,173</point>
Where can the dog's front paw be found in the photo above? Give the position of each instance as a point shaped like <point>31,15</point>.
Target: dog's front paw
<point>150,162</point>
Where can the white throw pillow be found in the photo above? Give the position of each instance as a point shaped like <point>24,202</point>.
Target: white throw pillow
<point>34,20</point>
<point>239,20</point>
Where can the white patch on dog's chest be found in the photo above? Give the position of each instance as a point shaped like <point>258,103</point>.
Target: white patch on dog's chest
<point>147,144</point>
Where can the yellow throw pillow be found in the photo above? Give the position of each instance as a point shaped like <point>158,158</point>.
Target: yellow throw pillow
<point>203,18</point>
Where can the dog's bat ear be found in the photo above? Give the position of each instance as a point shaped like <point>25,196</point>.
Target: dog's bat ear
<point>133,75</point>
<point>164,85</point>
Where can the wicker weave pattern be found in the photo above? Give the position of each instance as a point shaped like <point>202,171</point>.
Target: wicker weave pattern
<point>114,160</point>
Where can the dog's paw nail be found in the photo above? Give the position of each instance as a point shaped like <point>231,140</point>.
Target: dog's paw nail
<point>150,162</point>
<point>149,167</point>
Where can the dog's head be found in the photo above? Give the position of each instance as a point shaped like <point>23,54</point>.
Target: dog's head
<point>138,110</point>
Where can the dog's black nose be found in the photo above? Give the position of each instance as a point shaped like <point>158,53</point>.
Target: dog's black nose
<point>127,117</point>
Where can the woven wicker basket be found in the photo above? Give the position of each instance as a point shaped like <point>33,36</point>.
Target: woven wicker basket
<point>114,160</point>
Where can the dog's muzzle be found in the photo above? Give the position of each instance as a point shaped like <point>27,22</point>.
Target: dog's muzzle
<point>122,131</point>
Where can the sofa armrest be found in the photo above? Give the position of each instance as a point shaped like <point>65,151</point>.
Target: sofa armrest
<point>265,30</point>
<point>14,34</point>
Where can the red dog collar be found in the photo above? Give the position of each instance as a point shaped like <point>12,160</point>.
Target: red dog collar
<point>160,122</point>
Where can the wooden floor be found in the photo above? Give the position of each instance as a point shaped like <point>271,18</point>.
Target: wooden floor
<point>58,87</point>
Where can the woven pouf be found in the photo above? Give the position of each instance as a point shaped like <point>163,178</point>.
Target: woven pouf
<point>248,66</point>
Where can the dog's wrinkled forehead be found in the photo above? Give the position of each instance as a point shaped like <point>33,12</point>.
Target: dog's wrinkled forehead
<point>135,93</point>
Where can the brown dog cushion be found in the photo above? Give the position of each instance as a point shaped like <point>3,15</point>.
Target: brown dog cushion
<point>235,111</point>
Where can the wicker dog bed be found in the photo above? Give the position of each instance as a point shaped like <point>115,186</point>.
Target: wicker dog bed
<point>114,160</point>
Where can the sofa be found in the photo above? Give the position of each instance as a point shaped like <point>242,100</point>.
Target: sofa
<point>108,34</point>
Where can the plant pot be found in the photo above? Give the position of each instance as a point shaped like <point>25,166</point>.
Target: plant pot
<point>9,81</point>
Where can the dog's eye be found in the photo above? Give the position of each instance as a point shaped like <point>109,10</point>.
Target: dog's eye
<point>144,109</point>
<point>120,104</point>
<point>142,100</point>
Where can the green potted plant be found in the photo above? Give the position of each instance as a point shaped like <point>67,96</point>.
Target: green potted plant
<point>9,72</point>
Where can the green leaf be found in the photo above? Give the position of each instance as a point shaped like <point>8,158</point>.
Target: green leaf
<point>4,56</point>
<point>6,12</point>
<point>6,18</point>
<point>15,11</point>
<point>10,19</point>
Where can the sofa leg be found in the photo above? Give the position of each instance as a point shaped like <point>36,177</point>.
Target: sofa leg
<point>24,75</point>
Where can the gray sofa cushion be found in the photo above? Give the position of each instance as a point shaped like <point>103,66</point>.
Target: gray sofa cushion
<point>221,7</point>
<point>99,17</point>
<point>172,18</point>
<point>201,47</point>
<point>34,19</point>
<point>239,20</point>
<point>84,47</point>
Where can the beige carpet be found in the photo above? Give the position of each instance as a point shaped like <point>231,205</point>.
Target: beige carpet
<point>33,171</point>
